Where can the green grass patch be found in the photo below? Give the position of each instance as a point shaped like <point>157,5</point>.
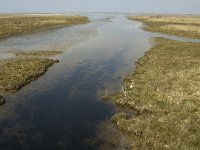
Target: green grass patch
<point>11,25</point>
<point>184,26</point>
<point>164,90</point>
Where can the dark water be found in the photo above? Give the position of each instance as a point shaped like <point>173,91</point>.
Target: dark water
<point>62,109</point>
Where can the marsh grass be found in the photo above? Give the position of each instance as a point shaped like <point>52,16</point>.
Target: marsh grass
<point>164,90</point>
<point>24,68</point>
<point>15,73</point>
<point>11,25</point>
<point>186,26</point>
<point>41,54</point>
<point>27,66</point>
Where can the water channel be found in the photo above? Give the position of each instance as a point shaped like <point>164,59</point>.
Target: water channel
<point>62,109</point>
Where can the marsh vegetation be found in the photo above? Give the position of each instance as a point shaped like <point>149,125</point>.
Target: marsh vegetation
<point>164,93</point>
<point>186,26</point>
<point>40,54</point>
<point>11,25</point>
<point>15,73</point>
<point>28,65</point>
<point>22,69</point>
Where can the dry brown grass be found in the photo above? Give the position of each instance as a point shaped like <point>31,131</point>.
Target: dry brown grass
<point>15,73</point>
<point>22,69</point>
<point>27,66</point>
<point>23,24</point>
<point>186,26</point>
<point>38,54</point>
<point>164,90</point>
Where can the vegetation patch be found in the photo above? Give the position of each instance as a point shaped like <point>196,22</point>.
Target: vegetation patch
<point>11,25</point>
<point>186,26</point>
<point>164,90</point>
<point>42,54</point>
<point>15,73</point>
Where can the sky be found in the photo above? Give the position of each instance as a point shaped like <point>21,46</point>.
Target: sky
<point>131,6</point>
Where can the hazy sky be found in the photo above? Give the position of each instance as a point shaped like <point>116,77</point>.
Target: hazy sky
<point>141,6</point>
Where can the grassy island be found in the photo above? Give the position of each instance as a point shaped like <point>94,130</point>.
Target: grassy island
<point>24,68</point>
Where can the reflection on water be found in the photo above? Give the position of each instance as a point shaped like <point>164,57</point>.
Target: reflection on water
<point>63,109</point>
<point>58,39</point>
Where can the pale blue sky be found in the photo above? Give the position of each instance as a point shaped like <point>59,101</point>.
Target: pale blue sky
<point>140,6</point>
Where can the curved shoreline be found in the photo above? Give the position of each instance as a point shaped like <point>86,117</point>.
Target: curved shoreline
<point>22,69</point>
<point>18,24</point>
<point>163,92</point>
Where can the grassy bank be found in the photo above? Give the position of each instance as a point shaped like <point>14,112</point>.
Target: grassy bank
<point>185,26</point>
<point>22,69</point>
<point>27,66</point>
<point>15,73</point>
<point>11,25</point>
<point>164,91</point>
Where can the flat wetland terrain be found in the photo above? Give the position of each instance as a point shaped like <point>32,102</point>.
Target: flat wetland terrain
<point>159,102</point>
<point>164,89</point>
<point>23,68</point>
<point>185,26</point>
<point>17,72</point>
<point>11,25</point>
<point>41,54</point>
<point>27,66</point>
